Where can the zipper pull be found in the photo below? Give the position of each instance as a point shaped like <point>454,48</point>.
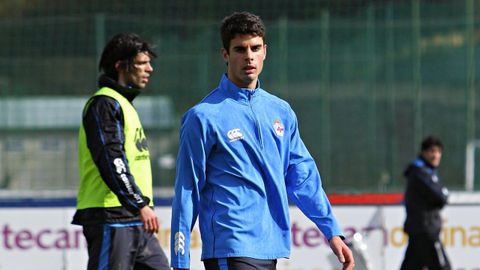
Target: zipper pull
<point>250,95</point>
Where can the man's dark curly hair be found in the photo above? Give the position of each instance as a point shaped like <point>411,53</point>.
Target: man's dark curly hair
<point>431,141</point>
<point>241,23</point>
<point>123,47</point>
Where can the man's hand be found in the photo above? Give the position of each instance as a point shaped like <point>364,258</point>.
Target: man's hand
<point>344,254</point>
<point>149,219</point>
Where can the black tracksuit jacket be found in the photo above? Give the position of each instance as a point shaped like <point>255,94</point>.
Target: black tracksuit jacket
<point>425,196</point>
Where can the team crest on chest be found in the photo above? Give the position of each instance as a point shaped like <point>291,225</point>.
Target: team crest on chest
<point>278,127</point>
<point>234,135</point>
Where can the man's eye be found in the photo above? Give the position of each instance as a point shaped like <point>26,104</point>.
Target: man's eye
<point>140,64</point>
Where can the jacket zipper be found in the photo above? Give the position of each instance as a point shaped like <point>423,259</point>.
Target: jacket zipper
<point>257,123</point>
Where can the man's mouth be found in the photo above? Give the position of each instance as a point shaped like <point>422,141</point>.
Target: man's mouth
<point>249,69</point>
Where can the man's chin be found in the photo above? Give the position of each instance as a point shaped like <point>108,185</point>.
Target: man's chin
<point>249,79</point>
<point>137,86</point>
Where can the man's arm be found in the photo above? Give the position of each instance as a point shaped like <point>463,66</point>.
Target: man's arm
<point>304,185</point>
<point>189,181</point>
<point>433,191</point>
<point>305,189</point>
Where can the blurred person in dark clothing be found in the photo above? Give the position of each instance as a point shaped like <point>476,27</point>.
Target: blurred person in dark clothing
<point>425,196</point>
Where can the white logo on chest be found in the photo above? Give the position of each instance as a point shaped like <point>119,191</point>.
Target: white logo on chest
<point>278,127</point>
<point>234,135</point>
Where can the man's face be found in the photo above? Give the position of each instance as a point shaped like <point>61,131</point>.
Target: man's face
<point>138,74</point>
<point>245,60</point>
<point>433,155</point>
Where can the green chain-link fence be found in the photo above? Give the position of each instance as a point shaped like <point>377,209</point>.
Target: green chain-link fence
<point>367,79</point>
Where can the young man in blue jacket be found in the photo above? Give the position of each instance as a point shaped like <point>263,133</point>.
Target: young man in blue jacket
<point>240,159</point>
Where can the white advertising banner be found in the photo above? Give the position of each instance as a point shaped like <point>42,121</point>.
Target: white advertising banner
<point>43,239</point>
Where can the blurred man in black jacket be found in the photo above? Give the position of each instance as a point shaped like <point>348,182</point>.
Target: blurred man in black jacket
<point>425,196</point>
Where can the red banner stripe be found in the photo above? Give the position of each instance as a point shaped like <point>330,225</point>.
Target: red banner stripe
<point>366,198</point>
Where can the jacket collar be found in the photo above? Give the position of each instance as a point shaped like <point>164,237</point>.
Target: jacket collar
<point>128,93</point>
<point>239,94</point>
<point>421,162</point>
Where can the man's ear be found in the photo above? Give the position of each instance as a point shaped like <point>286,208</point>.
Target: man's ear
<point>265,49</point>
<point>118,66</point>
<point>224,54</point>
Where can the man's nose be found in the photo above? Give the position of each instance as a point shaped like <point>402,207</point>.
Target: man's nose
<point>149,68</point>
<point>248,54</point>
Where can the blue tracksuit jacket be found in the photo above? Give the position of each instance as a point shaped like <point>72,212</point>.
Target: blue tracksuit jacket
<point>240,157</point>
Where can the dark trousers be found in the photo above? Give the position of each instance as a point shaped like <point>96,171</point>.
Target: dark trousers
<point>239,263</point>
<point>123,248</point>
<point>423,252</point>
